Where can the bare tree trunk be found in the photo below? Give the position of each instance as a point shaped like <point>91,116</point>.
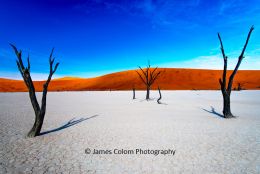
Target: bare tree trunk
<point>158,100</point>
<point>148,93</point>
<point>226,106</point>
<point>36,129</point>
<point>133,93</point>
<point>39,111</point>
<point>239,87</point>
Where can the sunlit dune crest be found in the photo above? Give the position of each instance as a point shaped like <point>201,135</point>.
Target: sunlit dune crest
<point>170,79</point>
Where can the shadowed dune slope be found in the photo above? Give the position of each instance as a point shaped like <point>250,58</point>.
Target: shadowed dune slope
<point>170,79</point>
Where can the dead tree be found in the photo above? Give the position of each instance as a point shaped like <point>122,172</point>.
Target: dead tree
<point>133,92</point>
<point>158,100</point>
<point>148,77</point>
<point>226,90</point>
<point>239,87</point>
<point>38,110</point>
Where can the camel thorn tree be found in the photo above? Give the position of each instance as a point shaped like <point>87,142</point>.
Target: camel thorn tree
<point>25,72</point>
<point>148,77</point>
<point>226,87</point>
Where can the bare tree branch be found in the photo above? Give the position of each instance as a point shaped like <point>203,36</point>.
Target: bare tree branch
<point>153,78</point>
<point>141,77</point>
<point>240,58</point>
<point>154,70</point>
<point>28,63</point>
<point>142,70</point>
<point>226,90</point>
<point>225,62</point>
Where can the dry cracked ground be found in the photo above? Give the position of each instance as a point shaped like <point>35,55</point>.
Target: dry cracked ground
<point>186,121</point>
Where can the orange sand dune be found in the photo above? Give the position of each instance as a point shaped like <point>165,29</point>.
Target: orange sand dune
<point>171,79</point>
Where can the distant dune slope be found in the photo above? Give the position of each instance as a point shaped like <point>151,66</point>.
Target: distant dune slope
<point>171,79</point>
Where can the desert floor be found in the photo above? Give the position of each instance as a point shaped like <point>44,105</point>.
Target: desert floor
<point>186,121</point>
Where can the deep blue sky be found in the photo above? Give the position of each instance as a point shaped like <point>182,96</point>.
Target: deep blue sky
<point>94,37</point>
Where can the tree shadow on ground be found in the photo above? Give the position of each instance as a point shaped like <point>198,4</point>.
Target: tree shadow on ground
<point>212,111</point>
<point>151,99</point>
<point>162,103</point>
<point>71,122</point>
